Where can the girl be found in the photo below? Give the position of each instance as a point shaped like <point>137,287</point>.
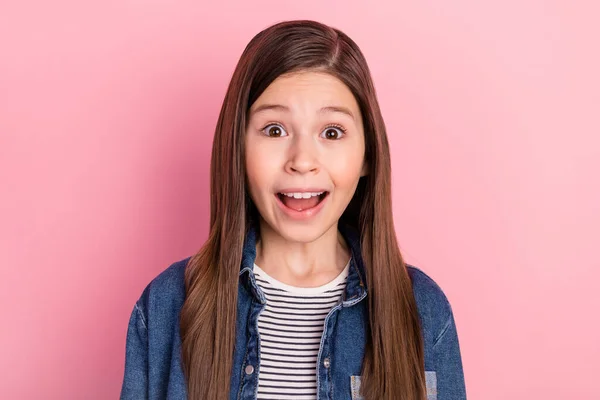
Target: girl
<point>300,291</point>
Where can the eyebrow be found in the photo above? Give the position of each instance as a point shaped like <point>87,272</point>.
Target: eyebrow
<point>323,110</point>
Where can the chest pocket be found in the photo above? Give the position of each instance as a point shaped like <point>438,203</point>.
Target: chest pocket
<point>430,382</point>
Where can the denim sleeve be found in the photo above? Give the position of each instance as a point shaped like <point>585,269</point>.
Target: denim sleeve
<point>135,380</point>
<point>449,371</point>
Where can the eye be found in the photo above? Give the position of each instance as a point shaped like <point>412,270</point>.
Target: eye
<point>334,132</point>
<point>274,130</point>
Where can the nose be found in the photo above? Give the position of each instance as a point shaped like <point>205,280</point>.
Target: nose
<point>303,155</point>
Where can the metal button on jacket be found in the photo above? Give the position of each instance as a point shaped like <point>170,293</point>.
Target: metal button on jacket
<point>326,362</point>
<point>249,369</point>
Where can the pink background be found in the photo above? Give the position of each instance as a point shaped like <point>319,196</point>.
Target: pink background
<point>107,111</point>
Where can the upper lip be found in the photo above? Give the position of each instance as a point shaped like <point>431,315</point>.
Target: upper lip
<point>302,190</point>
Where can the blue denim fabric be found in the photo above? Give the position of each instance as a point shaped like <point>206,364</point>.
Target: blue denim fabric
<point>153,351</point>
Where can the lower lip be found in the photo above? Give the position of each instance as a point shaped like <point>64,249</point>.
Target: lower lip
<point>304,214</point>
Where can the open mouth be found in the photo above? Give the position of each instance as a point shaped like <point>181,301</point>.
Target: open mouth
<point>302,203</point>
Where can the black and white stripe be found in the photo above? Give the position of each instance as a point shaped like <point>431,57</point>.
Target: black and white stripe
<point>290,329</point>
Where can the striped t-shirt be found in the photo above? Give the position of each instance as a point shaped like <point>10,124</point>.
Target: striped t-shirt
<point>290,328</point>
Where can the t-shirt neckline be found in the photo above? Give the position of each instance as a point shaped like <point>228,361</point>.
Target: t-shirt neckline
<point>304,290</point>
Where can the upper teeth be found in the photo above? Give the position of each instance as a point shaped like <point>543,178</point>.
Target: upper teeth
<point>305,195</point>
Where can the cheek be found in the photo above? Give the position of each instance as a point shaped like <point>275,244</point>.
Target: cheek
<point>255,178</point>
<point>345,167</point>
<point>259,171</point>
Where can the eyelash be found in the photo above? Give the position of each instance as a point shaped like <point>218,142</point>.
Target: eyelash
<point>341,128</point>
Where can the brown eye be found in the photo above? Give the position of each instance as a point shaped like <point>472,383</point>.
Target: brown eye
<point>332,133</point>
<point>274,130</point>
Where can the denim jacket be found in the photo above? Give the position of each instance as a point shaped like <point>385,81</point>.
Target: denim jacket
<point>153,350</point>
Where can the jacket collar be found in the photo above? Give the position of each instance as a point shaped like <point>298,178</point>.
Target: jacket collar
<point>356,285</point>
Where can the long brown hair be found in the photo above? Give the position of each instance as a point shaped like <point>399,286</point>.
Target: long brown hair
<point>393,365</point>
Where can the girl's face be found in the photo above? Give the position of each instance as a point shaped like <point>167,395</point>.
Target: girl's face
<point>305,150</point>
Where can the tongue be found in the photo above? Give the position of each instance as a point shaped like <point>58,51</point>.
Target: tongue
<point>300,204</point>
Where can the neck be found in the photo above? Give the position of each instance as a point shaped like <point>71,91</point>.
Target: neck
<point>301,264</point>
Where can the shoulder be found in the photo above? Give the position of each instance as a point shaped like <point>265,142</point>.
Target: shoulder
<point>433,305</point>
<point>166,291</point>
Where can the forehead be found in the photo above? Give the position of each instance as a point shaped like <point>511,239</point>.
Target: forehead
<point>307,88</point>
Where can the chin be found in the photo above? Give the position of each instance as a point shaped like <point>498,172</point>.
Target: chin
<point>301,232</point>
